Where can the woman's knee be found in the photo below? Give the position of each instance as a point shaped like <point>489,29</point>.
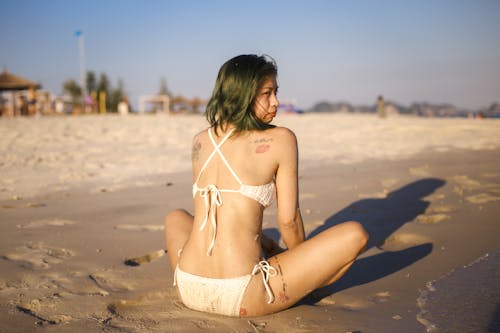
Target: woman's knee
<point>174,216</point>
<point>358,233</point>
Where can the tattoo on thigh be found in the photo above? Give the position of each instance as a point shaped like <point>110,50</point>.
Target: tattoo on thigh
<point>243,312</point>
<point>282,294</point>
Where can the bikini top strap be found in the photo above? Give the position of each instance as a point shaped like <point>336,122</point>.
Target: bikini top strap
<point>217,150</point>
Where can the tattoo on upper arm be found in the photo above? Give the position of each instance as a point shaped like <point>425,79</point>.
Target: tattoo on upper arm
<point>195,153</point>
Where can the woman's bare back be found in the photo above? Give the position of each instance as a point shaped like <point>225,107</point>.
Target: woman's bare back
<point>239,218</point>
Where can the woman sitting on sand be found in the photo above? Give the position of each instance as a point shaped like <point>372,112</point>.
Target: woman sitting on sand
<point>240,164</point>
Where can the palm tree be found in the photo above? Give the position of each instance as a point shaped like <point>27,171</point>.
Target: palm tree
<point>72,88</point>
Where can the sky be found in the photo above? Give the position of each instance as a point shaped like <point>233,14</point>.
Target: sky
<point>437,51</point>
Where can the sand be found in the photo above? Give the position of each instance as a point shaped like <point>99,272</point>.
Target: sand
<point>80,195</point>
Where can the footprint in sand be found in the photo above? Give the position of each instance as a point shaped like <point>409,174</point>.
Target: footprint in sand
<point>38,255</point>
<point>59,298</point>
<point>435,197</point>
<point>441,209</point>
<point>45,310</point>
<point>401,241</point>
<point>421,171</point>
<point>491,174</point>
<point>127,307</point>
<point>432,218</point>
<point>27,205</point>
<point>380,297</point>
<point>46,222</point>
<point>389,182</point>
<point>378,195</point>
<point>465,182</point>
<point>77,283</point>
<point>112,281</point>
<point>482,198</point>
<point>137,227</point>
<point>57,308</point>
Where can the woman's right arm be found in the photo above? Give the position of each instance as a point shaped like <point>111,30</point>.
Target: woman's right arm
<point>289,217</point>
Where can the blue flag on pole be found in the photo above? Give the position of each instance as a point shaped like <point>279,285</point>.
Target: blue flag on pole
<point>78,33</point>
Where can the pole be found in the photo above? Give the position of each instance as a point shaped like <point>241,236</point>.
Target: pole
<point>81,49</point>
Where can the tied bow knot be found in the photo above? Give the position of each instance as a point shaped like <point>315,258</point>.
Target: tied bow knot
<point>213,199</point>
<point>267,270</point>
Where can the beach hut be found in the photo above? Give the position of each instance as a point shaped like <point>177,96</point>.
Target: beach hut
<point>160,103</point>
<point>12,83</point>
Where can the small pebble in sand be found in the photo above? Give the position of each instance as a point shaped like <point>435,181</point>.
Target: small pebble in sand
<point>397,317</point>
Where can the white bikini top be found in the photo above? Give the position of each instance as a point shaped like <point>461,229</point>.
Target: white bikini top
<point>263,194</point>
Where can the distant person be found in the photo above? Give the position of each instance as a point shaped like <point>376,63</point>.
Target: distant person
<point>123,106</point>
<point>222,261</point>
<point>381,111</point>
<point>32,102</point>
<point>59,106</point>
<point>22,106</point>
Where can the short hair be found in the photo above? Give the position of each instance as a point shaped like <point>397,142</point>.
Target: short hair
<point>235,90</point>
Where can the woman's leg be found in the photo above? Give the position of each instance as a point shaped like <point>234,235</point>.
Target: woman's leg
<point>315,263</point>
<point>178,226</point>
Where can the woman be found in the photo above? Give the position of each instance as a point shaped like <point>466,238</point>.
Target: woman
<point>240,164</point>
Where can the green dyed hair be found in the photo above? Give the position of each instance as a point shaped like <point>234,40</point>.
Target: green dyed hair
<point>235,90</point>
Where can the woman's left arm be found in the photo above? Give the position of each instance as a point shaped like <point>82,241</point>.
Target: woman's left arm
<point>289,217</point>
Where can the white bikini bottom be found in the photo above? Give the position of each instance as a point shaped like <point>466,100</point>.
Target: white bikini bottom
<point>222,296</point>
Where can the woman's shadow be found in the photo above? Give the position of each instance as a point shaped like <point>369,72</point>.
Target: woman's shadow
<point>381,218</point>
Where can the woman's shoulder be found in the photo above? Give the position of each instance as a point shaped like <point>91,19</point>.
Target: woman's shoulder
<point>201,134</point>
<point>283,134</point>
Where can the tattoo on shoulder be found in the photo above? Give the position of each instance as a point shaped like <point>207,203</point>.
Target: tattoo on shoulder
<point>262,148</point>
<point>263,140</point>
<point>195,153</point>
<point>263,145</point>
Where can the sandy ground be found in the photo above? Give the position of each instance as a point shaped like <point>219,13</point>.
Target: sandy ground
<point>427,191</point>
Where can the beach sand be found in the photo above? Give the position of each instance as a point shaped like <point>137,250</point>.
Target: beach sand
<point>80,195</point>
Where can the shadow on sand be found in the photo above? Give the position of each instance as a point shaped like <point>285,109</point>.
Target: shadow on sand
<point>380,218</point>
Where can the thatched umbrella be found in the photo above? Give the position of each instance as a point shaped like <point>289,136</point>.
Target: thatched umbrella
<point>13,82</point>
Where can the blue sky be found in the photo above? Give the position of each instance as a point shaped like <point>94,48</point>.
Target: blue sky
<point>440,51</point>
